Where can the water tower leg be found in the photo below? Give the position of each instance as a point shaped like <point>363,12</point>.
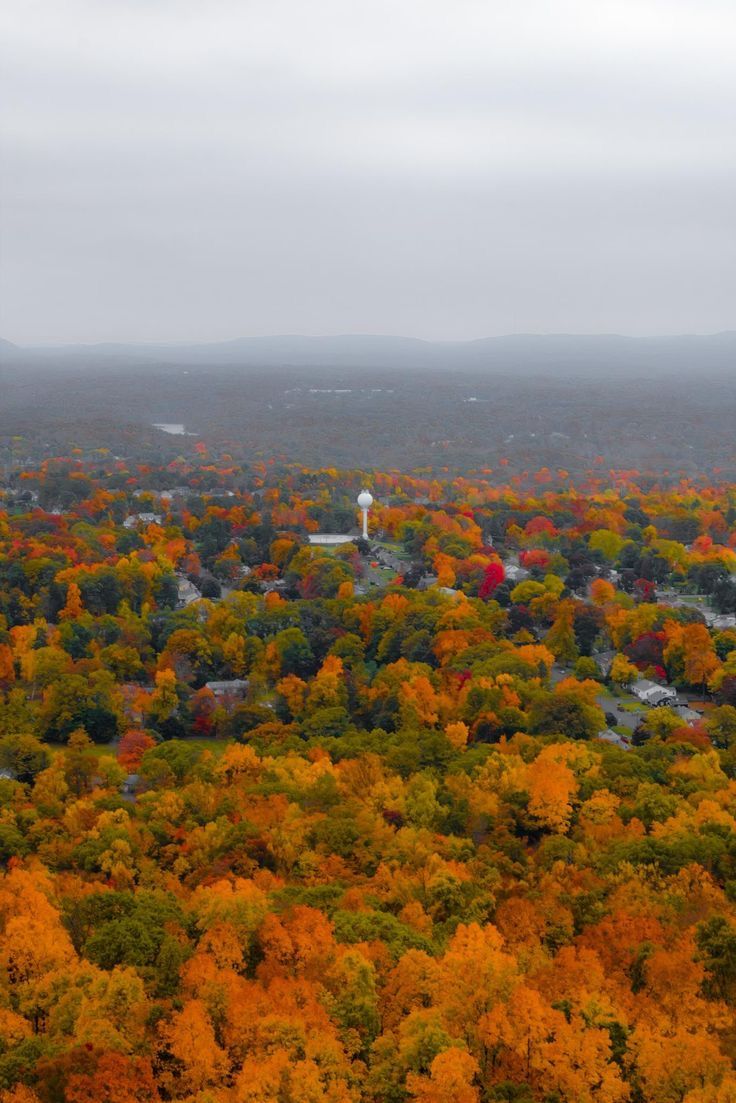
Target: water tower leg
<point>365,524</point>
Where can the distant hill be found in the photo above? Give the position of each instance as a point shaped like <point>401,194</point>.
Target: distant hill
<point>548,354</point>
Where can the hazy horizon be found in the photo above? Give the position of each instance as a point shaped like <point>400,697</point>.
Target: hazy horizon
<point>173,343</point>
<point>193,173</point>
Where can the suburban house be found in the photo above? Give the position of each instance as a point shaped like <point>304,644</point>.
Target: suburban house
<point>604,661</point>
<point>610,736</point>
<point>137,519</point>
<point>187,592</point>
<point>427,581</point>
<point>129,786</point>
<point>515,573</point>
<point>228,690</point>
<point>690,716</point>
<point>273,585</point>
<point>653,694</point>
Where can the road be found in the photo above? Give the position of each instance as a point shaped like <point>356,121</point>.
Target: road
<point>614,706</point>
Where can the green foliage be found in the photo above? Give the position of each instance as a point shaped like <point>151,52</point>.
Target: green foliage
<point>23,755</point>
<point>175,758</point>
<point>12,843</point>
<point>716,941</point>
<point>353,927</point>
<point>566,715</point>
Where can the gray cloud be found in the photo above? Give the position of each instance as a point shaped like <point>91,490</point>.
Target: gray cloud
<point>197,170</point>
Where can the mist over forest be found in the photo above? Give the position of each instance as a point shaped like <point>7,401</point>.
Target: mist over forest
<point>664,405</point>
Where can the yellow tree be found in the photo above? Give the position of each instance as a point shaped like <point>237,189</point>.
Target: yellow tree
<point>701,661</point>
<point>561,637</point>
<point>190,1039</point>
<point>529,1041</point>
<point>450,1079</point>
<point>623,673</point>
<point>164,699</point>
<point>552,786</point>
<point>73,607</point>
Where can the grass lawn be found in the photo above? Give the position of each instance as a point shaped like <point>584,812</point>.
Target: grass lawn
<point>379,576</point>
<point>395,549</point>
<point>209,743</point>
<point>97,749</point>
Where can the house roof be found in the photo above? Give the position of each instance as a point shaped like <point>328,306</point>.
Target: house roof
<point>610,736</point>
<point>604,659</point>
<point>646,687</point>
<point>688,714</point>
<point>660,694</point>
<point>230,685</point>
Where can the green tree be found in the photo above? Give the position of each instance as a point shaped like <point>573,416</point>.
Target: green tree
<point>77,702</point>
<point>24,755</point>
<point>561,637</point>
<point>566,714</point>
<point>721,725</point>
<point>79,762</point>
<point>716,942</point>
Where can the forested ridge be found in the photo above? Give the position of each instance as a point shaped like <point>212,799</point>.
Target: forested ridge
<point>394,821</point>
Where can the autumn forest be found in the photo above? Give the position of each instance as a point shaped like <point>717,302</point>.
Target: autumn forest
<point>443,816</point>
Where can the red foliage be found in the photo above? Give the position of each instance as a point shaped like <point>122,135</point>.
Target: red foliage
<point>644,589</point>
<point>493,575</point>
<point>540,524</point>
<point>133,746</point>
<point>535,557</point>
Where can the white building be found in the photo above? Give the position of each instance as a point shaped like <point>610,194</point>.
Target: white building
<point>187,592</point>
<point>230,688</point>
<point>137,519</point>
<point>653,694</point>
<point>329,539</point>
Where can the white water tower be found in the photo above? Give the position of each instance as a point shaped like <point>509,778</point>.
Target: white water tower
<point>365,501</point>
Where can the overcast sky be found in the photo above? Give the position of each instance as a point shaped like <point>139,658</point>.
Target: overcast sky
<point>205,169</point>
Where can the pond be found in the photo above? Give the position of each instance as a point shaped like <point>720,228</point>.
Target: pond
<point>173,427</point>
